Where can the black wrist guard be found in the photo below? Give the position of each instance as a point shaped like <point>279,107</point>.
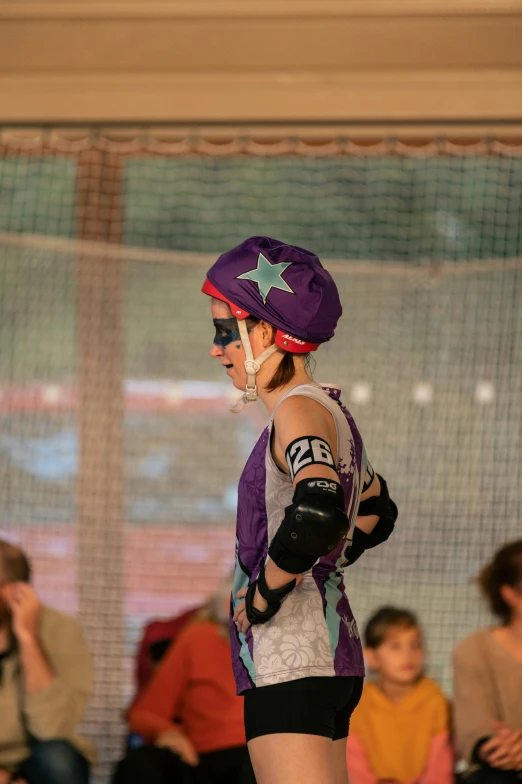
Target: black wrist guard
<point>359,545</point>
<point>274,597</point>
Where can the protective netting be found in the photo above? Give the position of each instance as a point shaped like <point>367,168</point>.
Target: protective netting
<point>118,459</point>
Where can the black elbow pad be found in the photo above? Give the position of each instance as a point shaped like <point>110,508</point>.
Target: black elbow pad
<point>383,506</point>
<point>313,525</point>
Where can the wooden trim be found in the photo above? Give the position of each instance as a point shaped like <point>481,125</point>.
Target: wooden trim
<point>100,358</point>
<point>267,140</point>
<point>343,97</point>
<point>107,253</point>
<point>237,9</point>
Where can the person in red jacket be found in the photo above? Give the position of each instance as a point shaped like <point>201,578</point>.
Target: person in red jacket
<point>156,640</point>
<point>189,713</point>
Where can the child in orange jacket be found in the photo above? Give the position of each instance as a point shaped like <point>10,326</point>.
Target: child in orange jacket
<point>399,733</point>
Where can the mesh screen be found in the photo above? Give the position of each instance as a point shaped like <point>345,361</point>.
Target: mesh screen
<point>119,461</point>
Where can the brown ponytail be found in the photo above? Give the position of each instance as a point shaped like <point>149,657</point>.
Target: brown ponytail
<point>286,368</point>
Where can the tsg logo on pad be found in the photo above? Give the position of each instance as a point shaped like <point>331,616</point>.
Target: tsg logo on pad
<point>323,484</point>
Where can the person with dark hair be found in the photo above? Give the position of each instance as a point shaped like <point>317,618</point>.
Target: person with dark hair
<point>45,683</point>
<point>488,678</point>
<point>189,714</point>
<point>400,729</point>
<point>309,504</point>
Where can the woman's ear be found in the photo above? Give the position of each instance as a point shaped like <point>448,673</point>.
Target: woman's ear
<point>510,595</point>
<point>267,333</point>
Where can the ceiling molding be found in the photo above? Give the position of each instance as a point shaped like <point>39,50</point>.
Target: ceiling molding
<point>237,9</point>
<point>287,45</point>
<point>367,96</point>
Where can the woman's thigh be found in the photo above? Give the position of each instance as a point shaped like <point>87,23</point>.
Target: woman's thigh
<point>291,758</point>
<point>295,729</point>
<point>339,761</point>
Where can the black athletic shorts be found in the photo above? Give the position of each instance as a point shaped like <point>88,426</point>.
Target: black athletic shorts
<point>310,706</point>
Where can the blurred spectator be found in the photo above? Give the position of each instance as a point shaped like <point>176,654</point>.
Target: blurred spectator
<point>189,713</point>
<point>400,730</point>
<point>156,640</point>
<point>45,683</point>
<point>488,678</point>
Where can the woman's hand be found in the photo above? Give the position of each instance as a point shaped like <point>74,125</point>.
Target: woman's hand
<point>240,617</point>
<point>278,579</point>
<point>504,749</point>
<point>178,743</point>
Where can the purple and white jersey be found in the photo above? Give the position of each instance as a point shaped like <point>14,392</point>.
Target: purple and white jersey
<point>314,633</point>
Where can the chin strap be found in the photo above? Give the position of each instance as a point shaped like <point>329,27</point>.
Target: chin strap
<point>252,367</point>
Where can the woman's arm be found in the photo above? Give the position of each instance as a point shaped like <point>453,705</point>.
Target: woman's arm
<point>305,447</point>
<point>295,418</point>
<point>473,698</point>
<point>375,521</point>
<point>299,417</point>
<point>367,523</point>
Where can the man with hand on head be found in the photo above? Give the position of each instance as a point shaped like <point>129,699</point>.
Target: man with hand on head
<point>45,683</point>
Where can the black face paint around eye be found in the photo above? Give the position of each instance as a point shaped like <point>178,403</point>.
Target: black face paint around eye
<point>226,332</point>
